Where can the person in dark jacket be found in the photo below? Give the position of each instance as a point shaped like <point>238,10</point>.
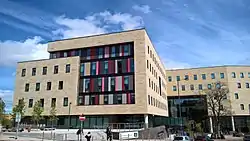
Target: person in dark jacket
<point>109,134</point>
<point>88,136</point>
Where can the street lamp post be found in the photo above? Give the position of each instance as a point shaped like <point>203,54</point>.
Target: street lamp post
<point>69,116</point>
<point>179,98</point>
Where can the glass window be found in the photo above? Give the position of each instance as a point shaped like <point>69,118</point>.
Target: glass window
<point>222,75</point>
<point>247,85</point>
<point>100,53</point>
<point>132,98</point>
<point>112,83</point>
<point>169,79</point>
<point>126,82</point>
<point>44,71</point>
<point>48,85</point>
<point>53,102</point>
<point>186,77</point>
<point>119,98</point>
<point>87,84</point>
<point>60,86</point>
<point>239,85</point>
<point>233,75</point>
<point>106,99</point>
<point>67,69</point>
<point>33,71</point>
<point>132,66</point>
<point>65,101</point>
<point>23,72</point>
<point>241,75</point>
<point>126,50</point>
<point>80,100</point>
<point>88,53</point>
<point>147,64</point>
<point>149,99</point>
<point>99,84</point>
<point>106,64</point>
<point>248,74</point>
<point>93,68</point>
<point>65,54</point>
<point>236,95</point>
<point>82,69</point>
<point>212,76</point>
<point>200,86</point>
<point>203,76</point>
<point>119,66</point>
<point>149,82</point>
<point>191,87</point>
<point>30,103</point>
<point>27,85</point>
<point>55,69</point>
<point>178,78</point>
<point>174,88</point>
<point>195,77</point>
<point>92,100</point>
<point>37,86</point>
<point>42,102</point>
<point>209,86</point>
<point>218,85</point>
<point>113,51</point>
<point>242,107</point>
<point>183,87</point>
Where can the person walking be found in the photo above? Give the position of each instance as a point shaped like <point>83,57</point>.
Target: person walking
<point>109,134</point>
<point>88,136</point>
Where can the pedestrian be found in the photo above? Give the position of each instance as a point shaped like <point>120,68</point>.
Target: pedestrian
<point>88,136</point>
<point>109,134</point>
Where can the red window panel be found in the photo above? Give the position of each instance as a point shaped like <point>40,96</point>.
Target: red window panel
<point>92,85</point>
<point>109,66</point>
<point>122,50</point>
<point>128,98</point>
<point>96,99</point>
<point>92,53</point>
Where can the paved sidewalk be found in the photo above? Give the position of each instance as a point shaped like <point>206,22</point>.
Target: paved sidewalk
<point>12,138</point>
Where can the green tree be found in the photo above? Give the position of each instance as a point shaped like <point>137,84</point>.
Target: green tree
<point>19,108</point>
<point>37,112</point>
<point>53,117</point>
<point>2,109</point>
<point>6,122</point>
<point>218,103</point>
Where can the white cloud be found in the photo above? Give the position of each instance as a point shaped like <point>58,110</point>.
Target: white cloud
<point>13,51</point>
<point>142,8</point>
<point>7,96</point>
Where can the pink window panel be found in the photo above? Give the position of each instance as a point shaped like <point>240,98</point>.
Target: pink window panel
<point>106,54</point>
<point>128,65</point>
<point>97,67</point>
<point>128,98</point>
<point>103,84</point>
<point>96,99</point>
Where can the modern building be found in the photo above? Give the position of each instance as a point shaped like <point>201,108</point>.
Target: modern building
<point>186,84</point>
<point>110,78</point>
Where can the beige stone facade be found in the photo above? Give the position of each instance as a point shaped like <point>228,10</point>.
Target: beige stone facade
<point>239,97</point>
<point>70,80</point>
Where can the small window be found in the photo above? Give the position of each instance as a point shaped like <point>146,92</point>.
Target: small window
<point>247,85</point>
<point>99,84</point>
<point>106,67</point>
<point>37,86</point>
<point>119,66</point>
<point>218,85</point>
<point>248,74</point>
<point>149,99</point>
<point>147,64</point>
<point>150,67</point>
<point>65,101</point>
<point>200,87</point>
<point>27,85</point>
<point>126,82</point>
<point>174,88</point>
<point>60,86</point>
<point>148,49</point>
<point>236,95</point>
<point>33,71</point>
<point>222,75</point>
<point>195,77</point>
<point>186,77</point>
<point>239,85</point>
<point>169,79</point>
<point>212,76</point>
<point>106,99</point>
<point>242,107</point>
<point>178,78</point>
<point>203,76</point>
<point>48,85</point>
<point>149,82</point>
<point>183,87</point>
<point>56,69</point>
<point>53,102</point>
<point>44,70</point>
<point>233,75</point>
<point>241,75</point>
<point>67,69</point>
<point>42,102</point>
<point>209,86</point>
<point>30,103</point>
<point>23,72</point>
<point>191,87</point>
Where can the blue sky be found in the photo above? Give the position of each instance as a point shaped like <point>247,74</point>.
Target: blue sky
<point>186,33</point>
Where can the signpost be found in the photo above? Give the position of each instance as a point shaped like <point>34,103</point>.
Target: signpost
<point>18,120</point>
<point>81,118</point>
